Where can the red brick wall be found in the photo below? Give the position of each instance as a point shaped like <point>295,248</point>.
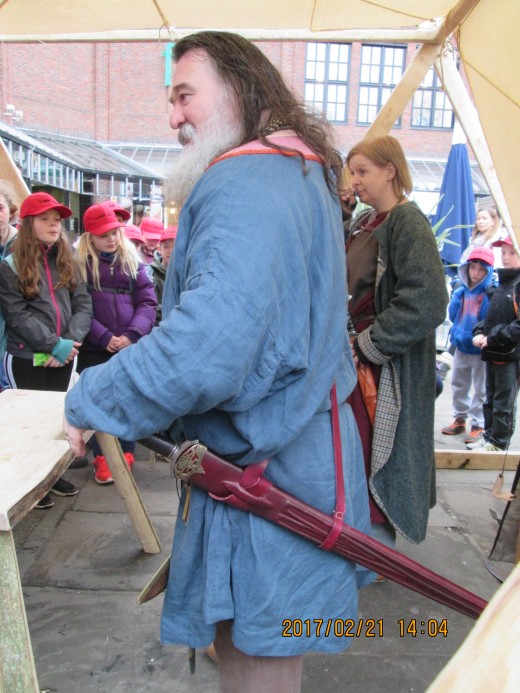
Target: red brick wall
<point>113,92</point>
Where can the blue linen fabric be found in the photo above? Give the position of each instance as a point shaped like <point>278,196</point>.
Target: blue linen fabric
<point>252,338</point>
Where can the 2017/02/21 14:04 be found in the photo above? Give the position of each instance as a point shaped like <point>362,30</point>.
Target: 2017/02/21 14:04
<point>368,628</point>
<point>414,627</point>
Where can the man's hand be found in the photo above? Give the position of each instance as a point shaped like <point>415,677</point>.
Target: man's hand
<point>74,438</point>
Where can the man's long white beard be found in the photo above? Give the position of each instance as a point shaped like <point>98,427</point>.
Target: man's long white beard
<point>219,134</point>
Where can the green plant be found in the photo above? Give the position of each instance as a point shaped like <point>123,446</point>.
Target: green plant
<point>442,237</point>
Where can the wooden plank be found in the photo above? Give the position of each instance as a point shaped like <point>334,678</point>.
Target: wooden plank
<point>32,414</point>
<point>23,485</point>
<point>488,658</point>
<point>17,671</point>
<point>34,453</point>
<point>129,493</point>
<point>473,459</point>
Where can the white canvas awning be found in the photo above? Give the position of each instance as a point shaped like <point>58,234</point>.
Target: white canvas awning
<point>486,32</point>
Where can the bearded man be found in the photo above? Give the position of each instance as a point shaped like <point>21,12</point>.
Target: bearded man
<point>252,340</point>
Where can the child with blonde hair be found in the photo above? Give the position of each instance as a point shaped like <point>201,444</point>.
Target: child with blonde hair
<point>123,301</point>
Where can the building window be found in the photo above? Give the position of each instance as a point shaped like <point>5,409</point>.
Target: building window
<point>431,107</point>
<point>326,79</point>
<point>381,69</point>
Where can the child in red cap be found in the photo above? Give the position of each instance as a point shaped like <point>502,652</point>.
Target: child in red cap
<point>157,268</point>
<point>469,305</point>
<point>123,302</point>
<point>45,304</point>
<point>134,235</point>
<point>152,230</point>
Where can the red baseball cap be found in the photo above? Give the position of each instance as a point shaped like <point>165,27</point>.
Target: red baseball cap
<point>98,219</point>
<point>169,233</point>
<point>152,228</point>
<point>482,254</point>
<point>40,202</point>
<point>116,207</point>
<point>501,241</point>
<point>133,233</point>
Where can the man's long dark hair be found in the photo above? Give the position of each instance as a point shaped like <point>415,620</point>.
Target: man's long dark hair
<point>258,85</point>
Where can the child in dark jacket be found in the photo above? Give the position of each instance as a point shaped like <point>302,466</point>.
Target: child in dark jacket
<point>498,337</point>
<point>123,301</point>
<point>46,306</point>
<point>468,306</point>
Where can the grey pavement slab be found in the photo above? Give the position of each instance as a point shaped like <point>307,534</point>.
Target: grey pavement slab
<point>99,551</point>
<point>104,641</point>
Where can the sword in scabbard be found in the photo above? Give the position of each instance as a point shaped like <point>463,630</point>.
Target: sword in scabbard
<point>247,489</point>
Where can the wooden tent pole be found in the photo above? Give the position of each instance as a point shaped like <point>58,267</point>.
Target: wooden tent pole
<point>404,90</point>
<point>469,120</point>
<point>10,173</point>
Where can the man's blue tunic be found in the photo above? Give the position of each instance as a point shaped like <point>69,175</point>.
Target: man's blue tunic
<point>252,338</point>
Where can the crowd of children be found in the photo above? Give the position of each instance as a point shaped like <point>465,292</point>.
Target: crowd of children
<point>485,335</point>
<point>64,309</point>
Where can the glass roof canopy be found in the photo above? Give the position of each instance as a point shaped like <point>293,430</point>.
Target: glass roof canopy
<point>158,157</point>
<point>78,165</point>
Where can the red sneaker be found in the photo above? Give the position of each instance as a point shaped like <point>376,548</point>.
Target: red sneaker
<point>475,434</point>
<point>102,473</point>
<point>458,426</point>
<point>129,457</point>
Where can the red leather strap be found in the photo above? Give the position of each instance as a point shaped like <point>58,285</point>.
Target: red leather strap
<point>339,512</point>
<point>249,490</point>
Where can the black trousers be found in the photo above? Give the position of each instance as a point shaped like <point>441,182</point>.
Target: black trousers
<point>500,405</point>
<point>22,375</point>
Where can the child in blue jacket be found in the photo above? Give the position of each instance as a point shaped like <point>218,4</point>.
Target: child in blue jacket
<point>468,306</point>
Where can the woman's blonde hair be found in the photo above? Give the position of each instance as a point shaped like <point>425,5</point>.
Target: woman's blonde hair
<point>490,233</point>
<point>382,151</point>
<point>27,250</point>
<point>87,255</point>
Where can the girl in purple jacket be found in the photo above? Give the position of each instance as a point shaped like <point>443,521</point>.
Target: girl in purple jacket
<point>123,302</point>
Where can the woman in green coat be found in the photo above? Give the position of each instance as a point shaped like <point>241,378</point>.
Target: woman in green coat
<point>397,297</point>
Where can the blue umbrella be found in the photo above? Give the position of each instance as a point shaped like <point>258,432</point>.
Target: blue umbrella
<point>456,206</point>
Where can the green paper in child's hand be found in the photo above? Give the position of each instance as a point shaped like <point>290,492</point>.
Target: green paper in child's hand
<point>40,359</point>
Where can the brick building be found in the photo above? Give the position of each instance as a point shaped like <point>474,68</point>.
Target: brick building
<point>113,97</point>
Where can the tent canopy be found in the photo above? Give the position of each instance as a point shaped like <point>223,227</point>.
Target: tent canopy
<point>486,34</point>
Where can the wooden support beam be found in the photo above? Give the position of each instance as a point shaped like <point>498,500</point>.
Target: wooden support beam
<point>474,459</point>
<point>129,493</point>
<point>416,71</point>
<point>404,90</point>
<point>10,173</point>
<point>488,658</point>
<point>455,17</point>
<point>17,672</point>
<point>468,117</point>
